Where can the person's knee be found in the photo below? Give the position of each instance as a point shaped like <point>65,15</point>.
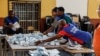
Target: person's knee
<point>7,30</point>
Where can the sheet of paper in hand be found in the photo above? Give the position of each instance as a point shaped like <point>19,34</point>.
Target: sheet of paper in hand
<point>15,26</point>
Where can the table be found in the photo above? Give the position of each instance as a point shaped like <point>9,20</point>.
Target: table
<point>1,49</point>
<point>73,52</point>
<point>15,48</point>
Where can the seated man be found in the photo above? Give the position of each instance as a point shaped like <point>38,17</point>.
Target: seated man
<point>11,24</point>
<point>73,33</point>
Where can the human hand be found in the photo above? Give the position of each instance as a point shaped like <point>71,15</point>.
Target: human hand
<point>44,33</point>
<point>38,42</point>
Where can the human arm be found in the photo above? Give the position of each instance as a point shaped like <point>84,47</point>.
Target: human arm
<point>59,28</point>
<point>48,30</point>
<point>58,36</point>
<point>54,25</point>
<point>9,26</point>
<point>7,23</point>
<point>48,40</point>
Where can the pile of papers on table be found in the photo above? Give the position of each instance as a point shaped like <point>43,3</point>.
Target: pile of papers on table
<point>41,51</point>
<point>73,45</point>
<point>30,39</point>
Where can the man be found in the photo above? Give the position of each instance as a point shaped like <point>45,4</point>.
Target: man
<point>11,24</point>
<point>73,33</point>
<point>58,13</point>
<point>62,15</point>
<point>54,24</point>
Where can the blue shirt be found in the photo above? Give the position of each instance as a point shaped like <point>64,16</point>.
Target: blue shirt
<point>67,18</point>
<point>75,34</point>
<point>9,20</point>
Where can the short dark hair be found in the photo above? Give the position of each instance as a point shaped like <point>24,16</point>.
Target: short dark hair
<point>55,9</point>
<point>10,12</point>
<point>61,9</point>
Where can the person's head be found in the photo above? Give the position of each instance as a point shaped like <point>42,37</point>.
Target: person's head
<point>54,12</point>
<point>11,14</point>
<point>98,11</point>
<point>60,11</point>
<point>62,23</point>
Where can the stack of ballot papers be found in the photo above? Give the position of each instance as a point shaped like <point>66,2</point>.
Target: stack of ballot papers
<point>30,39</point>
<point>15,26</point>
<point>73,45</point>
<point>41,51</point>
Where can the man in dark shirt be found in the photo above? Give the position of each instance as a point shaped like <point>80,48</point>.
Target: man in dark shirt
<point>62,15</point>
<point>11,24</point>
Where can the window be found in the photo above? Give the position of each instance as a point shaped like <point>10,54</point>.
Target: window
<point>28,13</point>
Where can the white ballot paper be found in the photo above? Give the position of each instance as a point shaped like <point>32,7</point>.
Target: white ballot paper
<point>15,26</point>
